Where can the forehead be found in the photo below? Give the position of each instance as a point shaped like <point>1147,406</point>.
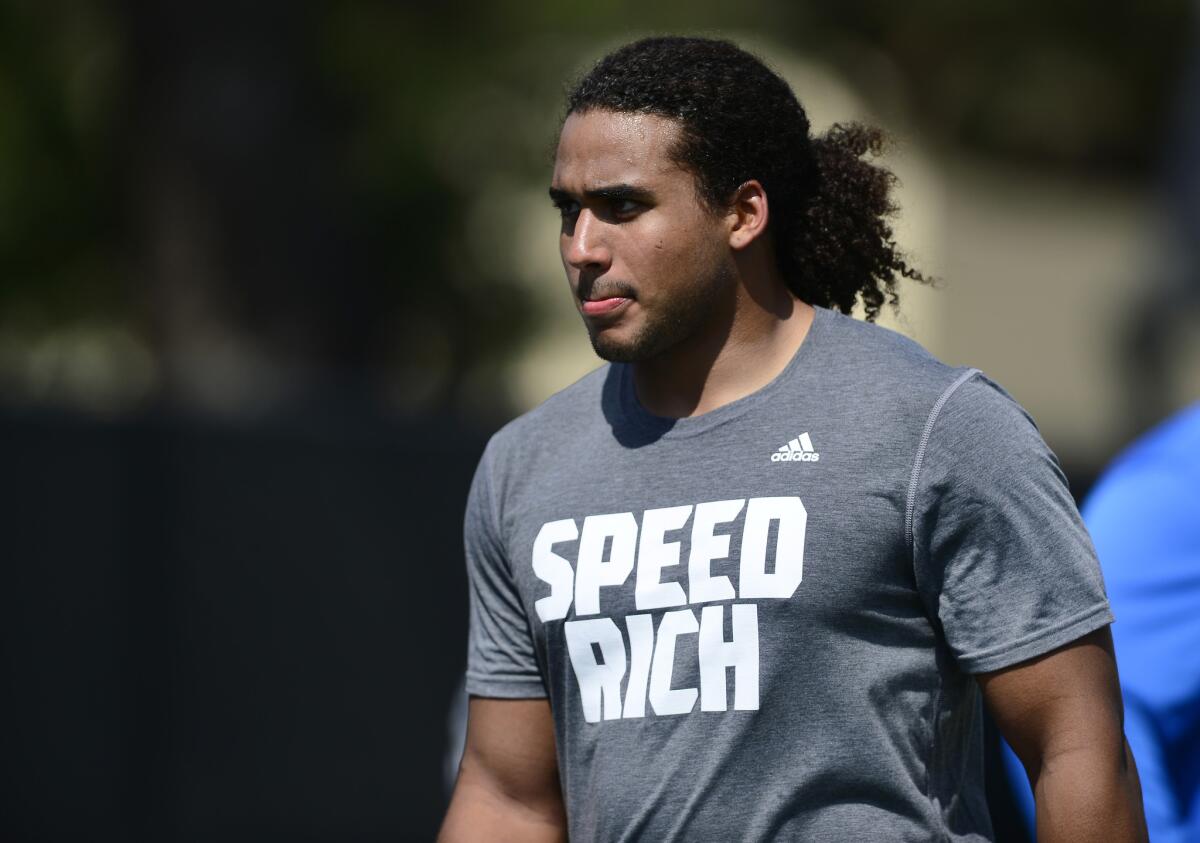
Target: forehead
<point>601,147</point>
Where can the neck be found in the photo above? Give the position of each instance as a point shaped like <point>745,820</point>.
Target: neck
<point>732,359</point>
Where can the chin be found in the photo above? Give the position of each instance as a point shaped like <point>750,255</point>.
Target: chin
<point>613,352</point>
<point>616,353</point>
<point>625,350</point>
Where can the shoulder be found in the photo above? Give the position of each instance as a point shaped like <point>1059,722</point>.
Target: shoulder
<point>1154,484</point>
<point>978,410</point>
<point>885,374</point>
<point>978,433</point>
<point>982,460</point>
<point>1170,450</point>
<point>868,348</point>
<point>560,422</point>
<point>950,394</point>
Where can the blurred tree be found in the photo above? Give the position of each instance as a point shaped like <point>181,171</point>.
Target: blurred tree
<point>276,195</point>
<point>60,79</point>
<point>1066,84</point>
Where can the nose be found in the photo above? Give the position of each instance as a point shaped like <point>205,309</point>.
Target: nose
<point>586,246</point>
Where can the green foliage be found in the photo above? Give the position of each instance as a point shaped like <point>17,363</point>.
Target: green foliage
<point>59,236</point>
<point>426,107</point>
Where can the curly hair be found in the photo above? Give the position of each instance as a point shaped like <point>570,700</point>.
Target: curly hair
<point>740,120</point>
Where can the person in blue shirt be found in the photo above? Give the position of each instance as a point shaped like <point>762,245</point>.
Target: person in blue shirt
<point>1144,517</point>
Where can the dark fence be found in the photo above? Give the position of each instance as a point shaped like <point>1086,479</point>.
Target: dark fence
<point>217,631</point>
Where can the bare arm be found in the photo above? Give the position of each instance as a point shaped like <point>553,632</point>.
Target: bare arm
<point>1062,715</point>
<point>507,786</point>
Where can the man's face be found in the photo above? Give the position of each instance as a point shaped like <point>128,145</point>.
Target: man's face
<point>649,264</point>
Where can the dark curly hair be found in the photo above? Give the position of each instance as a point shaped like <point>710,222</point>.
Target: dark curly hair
<point>739,120</point>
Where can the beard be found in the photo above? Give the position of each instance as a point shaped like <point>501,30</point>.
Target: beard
<point>655,337</point>
<point>688,314</point>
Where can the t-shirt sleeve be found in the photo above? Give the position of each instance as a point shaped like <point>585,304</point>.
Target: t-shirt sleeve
<point>501,661</point>
<point>1001,556</point>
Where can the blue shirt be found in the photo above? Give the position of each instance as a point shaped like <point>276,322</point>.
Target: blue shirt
<point>1144,517</point>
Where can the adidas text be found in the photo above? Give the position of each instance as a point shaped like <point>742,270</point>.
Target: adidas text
<point>798,456</point>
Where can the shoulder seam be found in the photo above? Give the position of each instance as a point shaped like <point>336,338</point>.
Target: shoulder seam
<point>910,502</point>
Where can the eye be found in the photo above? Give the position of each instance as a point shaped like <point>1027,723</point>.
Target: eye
<point>566,209</point>
<point>626,207</point>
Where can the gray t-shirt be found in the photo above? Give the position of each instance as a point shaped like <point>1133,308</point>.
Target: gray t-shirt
<point>761,623</point>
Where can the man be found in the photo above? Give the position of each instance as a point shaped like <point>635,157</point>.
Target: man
<point>1154,575</point>
<point>748,580</point>
<point>1144,514</point>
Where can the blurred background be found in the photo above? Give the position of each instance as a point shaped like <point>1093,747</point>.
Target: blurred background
<point>271,273</point>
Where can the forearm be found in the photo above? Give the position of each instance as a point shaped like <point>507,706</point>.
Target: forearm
<point>1087,794</point>
<point>478,812</point>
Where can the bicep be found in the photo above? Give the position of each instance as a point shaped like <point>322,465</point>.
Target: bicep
<point>511,743</point>
<point>1062,702</point>
<point>508,778</point>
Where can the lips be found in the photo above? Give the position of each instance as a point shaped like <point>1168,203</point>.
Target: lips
<point>597,307</point>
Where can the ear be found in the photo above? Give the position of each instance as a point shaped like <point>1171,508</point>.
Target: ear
<point>747,216</point>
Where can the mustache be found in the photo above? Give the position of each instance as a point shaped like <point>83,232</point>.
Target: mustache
<point>592,289</point>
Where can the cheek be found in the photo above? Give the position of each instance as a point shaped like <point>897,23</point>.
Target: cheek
<point>673,253</point>
<point>659,244</point>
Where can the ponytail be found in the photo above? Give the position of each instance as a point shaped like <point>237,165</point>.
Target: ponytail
<point>839,246</point>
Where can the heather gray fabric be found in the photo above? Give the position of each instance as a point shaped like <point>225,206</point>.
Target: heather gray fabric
<point>760,623</point>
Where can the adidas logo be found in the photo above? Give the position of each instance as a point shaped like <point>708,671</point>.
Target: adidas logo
<point>799,449</point>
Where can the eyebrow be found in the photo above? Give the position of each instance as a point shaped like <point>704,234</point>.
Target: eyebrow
<point>609,192</point>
